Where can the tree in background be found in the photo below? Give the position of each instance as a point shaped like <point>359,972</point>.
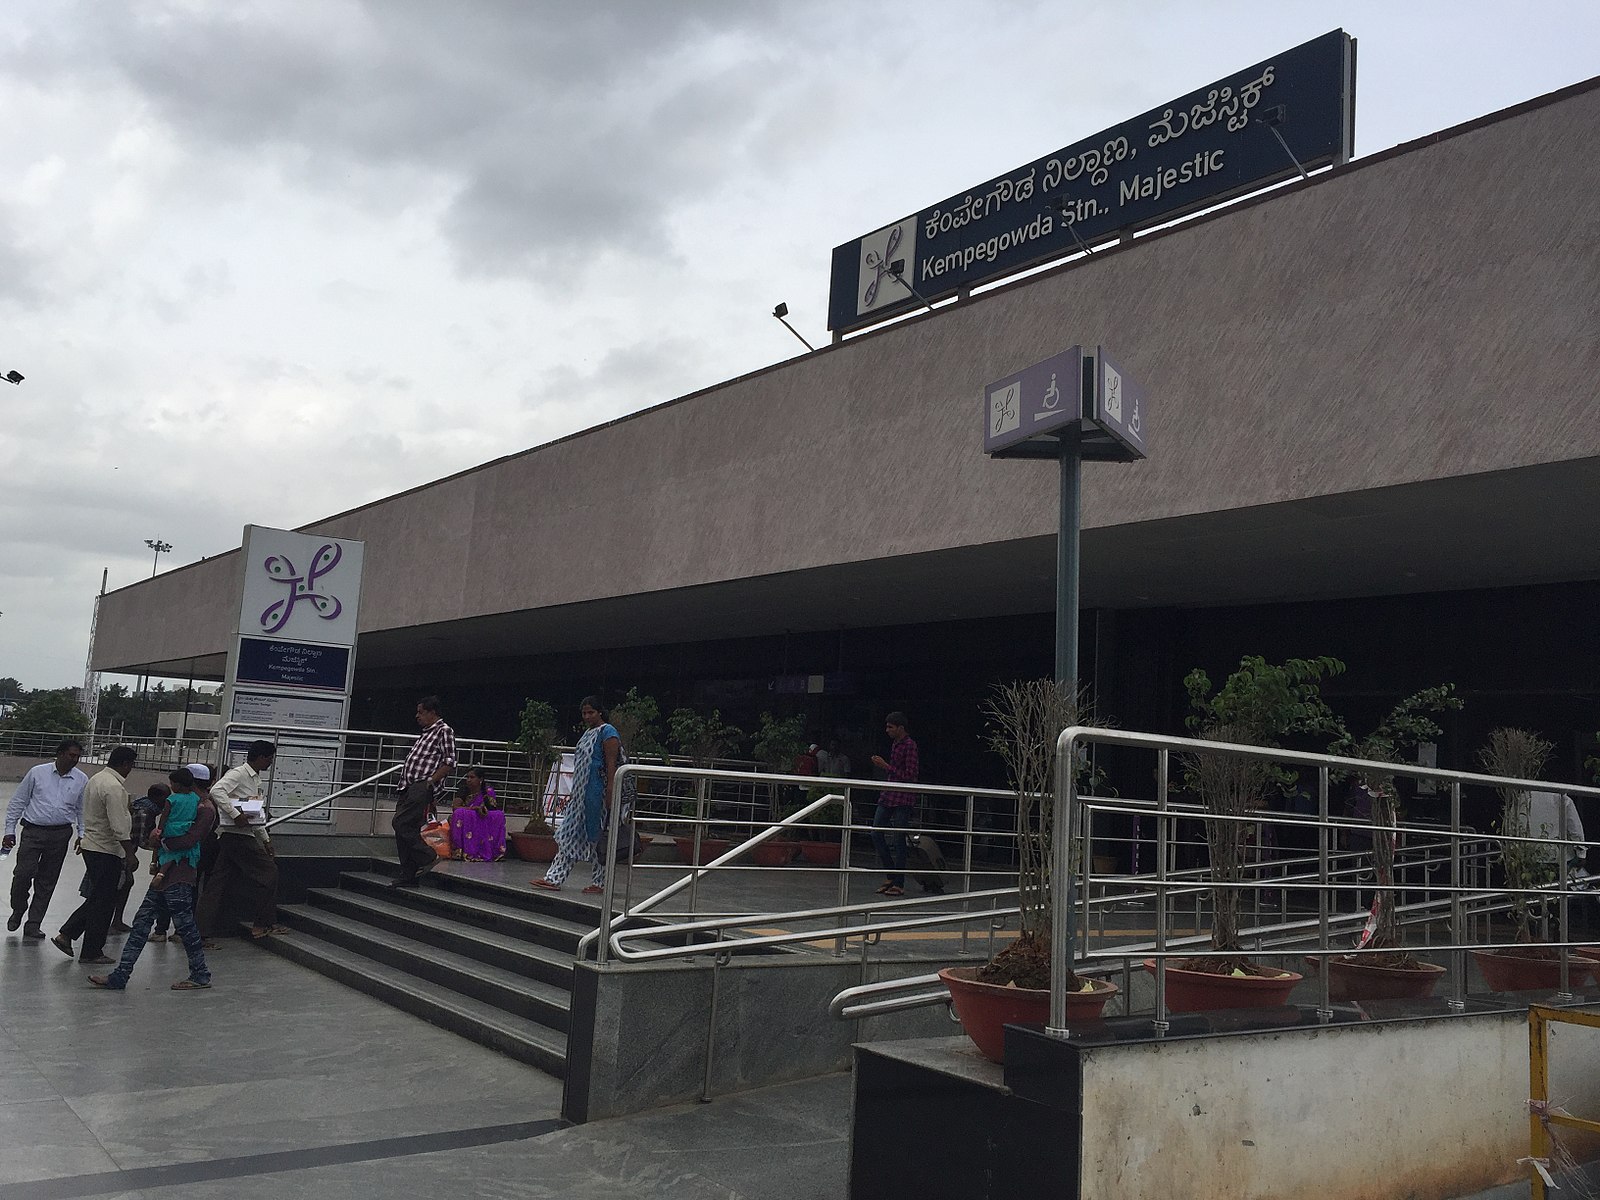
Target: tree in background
<point>48,712</point>
<point>1260,704</point>
<point>702,740</point>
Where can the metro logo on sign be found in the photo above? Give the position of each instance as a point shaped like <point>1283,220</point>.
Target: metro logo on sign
<point>299,586</point>
<point>1040,399</point>
<point>885,256</point>
<point>1119,405</point>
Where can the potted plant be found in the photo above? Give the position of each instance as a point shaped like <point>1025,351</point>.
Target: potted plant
<point>1024,720</point>
<point>819,842</point>
<point>1398,974</point>
<point>779,741</point>
<point>634,718</point>
<point>536,738</point>
<point>702,740</point>
<point>1258,705</point>
<point>1520,754</point>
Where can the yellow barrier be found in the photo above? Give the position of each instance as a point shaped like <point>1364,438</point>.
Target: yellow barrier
<point>1541,1115</point>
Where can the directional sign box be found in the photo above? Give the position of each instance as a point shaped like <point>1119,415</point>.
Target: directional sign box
<point>1044,398</point>
<point>1119,407</point>
<point>1070,401</point>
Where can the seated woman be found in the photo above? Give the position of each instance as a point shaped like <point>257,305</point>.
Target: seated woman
<point>477,824</point>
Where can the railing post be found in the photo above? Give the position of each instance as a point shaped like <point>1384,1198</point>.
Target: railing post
<point>699,829</point>
<point>1458,958</point>
<point>841,944</point>
<point>1163,836</point>
<point>613,834</point>
<point>1564,993</point>
<point>711,1023</point>
<point>966,871</point>
<point>1324,833</point>
<point>1063,902</point>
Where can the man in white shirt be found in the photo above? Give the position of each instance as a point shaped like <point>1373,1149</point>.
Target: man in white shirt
<point>1542,819</point>
<point>49,803</point>
<point>108,850</point>
<point>244,848</point>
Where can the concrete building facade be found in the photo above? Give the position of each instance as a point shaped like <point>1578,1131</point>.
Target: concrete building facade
<point>1374,434</point>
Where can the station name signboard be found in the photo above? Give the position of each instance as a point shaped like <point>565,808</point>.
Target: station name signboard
<point>297,665</point>
<point>1215,143</point>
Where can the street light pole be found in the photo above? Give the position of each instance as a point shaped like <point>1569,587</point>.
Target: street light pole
<point>160,547</point>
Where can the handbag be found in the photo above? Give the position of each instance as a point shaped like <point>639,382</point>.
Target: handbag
<point>437,835</point>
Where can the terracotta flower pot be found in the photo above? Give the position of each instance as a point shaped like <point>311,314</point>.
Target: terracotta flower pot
<point>710,848</point>
<point>986,1009</point>
<point>1200,991</point>
<point>1351,977</point>
<point>821,854</point>
<point>774,852</point>
<point>1507,971</point>
<point>534,847</point>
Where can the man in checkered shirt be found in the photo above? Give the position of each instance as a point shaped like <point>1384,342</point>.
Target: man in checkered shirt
<point>422,777</point>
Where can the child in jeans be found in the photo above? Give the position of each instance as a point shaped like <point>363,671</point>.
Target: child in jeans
<point>147,811</point>
<point>175,898</point>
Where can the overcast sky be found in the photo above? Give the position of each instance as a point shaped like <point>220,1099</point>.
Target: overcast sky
<point>268,261</point>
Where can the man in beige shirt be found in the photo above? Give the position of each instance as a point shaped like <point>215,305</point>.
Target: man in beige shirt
<point>107,850</point>
<point>244,848</point>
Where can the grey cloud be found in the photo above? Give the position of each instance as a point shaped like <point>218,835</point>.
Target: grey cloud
<point>21,269</point>
<point>559,129</point>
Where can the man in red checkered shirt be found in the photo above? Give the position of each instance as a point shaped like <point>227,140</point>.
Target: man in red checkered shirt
<point>422,777</point>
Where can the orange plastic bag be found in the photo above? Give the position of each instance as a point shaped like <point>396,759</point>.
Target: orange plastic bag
<point>437,835</point>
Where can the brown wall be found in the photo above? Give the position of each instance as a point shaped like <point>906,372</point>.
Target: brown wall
<point>1413,317</point>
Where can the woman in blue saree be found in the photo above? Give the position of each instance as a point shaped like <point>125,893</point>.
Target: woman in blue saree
<point>583,820</point>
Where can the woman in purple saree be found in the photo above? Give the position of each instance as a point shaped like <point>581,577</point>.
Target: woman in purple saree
<point>477,824</point>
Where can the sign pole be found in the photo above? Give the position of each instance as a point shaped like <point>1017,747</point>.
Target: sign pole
<point>1069,407</point>
<point>1067,561</point>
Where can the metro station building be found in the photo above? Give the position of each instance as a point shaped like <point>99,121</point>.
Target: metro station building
<point>1374,435</point>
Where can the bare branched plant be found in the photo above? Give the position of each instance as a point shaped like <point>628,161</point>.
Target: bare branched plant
<point>1518,754</point>
<point>1024,721</point>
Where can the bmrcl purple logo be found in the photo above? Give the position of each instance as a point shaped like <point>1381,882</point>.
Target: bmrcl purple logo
<point>302,587</point>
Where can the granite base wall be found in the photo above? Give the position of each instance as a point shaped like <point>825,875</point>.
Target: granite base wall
<point>639,1032</point>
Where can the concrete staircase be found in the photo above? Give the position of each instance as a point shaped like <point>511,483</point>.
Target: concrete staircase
<point>486,960</point>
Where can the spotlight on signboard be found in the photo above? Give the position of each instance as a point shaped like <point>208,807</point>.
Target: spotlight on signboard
<point>13,377</point>
<point>1273,115</point>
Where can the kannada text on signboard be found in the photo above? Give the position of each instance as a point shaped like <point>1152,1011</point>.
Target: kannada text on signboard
<point>1198,150</point>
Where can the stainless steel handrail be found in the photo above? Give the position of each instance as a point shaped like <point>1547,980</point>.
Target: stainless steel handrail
<point>328,799</point>
<point>1068,819</point>
<point>601,935</point>
<point>703,777</point>
<point>722,946</point>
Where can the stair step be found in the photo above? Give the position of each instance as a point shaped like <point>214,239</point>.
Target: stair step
<point>486,905</point>
<point>514,992</point>
<point>570,905</point>
<point>448,930</point>
<point>522,1039</point>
